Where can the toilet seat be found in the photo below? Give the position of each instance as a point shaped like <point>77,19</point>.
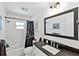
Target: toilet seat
<point>28,51</point>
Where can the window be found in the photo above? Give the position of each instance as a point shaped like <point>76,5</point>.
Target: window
<point>19,25</point>
<point>0,23</point>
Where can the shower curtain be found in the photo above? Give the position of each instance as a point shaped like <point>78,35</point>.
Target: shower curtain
<point>29,34</point>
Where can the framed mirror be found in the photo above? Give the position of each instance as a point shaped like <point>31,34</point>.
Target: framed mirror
<point>62,25</point>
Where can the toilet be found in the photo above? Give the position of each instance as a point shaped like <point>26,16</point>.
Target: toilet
<point>28,51</point>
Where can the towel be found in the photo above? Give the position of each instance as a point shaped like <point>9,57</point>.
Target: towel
<point>2,48</point>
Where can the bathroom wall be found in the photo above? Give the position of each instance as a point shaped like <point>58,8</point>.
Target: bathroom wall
<point>48,12</point>
<point>17,39</point>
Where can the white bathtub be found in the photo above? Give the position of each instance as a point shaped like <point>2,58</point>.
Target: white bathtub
<point>15,52</point>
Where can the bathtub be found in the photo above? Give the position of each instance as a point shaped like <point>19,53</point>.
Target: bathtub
<point>15,52</point>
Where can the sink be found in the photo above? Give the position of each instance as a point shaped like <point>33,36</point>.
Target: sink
<point>52,50</point>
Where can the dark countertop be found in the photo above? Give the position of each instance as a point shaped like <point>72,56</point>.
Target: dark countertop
<point>63,52</point>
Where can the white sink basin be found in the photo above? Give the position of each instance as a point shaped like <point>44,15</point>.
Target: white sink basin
<point>52,50</point>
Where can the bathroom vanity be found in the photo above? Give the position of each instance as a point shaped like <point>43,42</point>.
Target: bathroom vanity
<point>62,30</point>
<point>39,51</point>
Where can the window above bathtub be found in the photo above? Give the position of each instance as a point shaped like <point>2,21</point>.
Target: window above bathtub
<point>19,25</point>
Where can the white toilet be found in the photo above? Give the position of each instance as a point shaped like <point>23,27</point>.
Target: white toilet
<point>28,51</point>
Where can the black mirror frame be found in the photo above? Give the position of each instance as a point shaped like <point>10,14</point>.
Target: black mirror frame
<point>75,10</point>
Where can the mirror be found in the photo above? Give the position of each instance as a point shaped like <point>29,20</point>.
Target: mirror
<point>63,24</point>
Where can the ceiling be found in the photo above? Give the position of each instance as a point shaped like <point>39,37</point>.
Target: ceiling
<point>26,9</point>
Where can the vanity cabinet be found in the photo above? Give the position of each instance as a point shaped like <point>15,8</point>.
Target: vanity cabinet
<point>38,52</point>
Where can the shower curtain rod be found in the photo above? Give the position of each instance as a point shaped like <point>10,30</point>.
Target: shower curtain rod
<point>14,18</point>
